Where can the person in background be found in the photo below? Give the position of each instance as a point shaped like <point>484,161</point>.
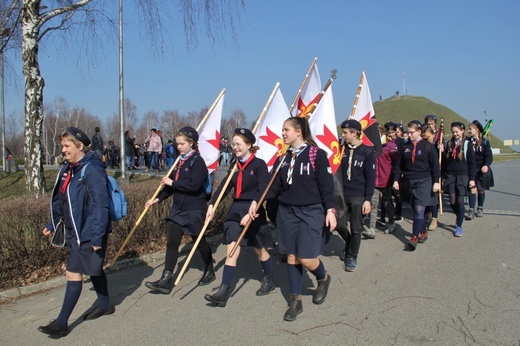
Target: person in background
<point>170,153</point>
<point>431,211</point>
<point>154,148</point>
<point>483,160</point>
<point>87,225</point>
<point>129,151</point>
<point>97,143</point>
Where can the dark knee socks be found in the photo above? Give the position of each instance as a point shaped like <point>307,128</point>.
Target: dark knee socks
<point>227,276</point>
<point>72,293</point>
<point>101,286</point>
<point>267,266</point>
<point>295,274</point>
<point>481,199</point>
<point>319,272</point>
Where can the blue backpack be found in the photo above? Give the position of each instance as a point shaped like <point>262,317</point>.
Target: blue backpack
<point>208,183</point>
<point>117,204</point>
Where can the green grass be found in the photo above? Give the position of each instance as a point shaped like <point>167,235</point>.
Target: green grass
<point>407,108</point>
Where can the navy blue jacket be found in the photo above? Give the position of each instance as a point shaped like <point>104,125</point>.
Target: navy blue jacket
<point>460,166</point>
<point>254,182</point>
<point>309,186</point>
<point>90,216</point>
<point>363,172</point>
<point>426,162</point>
<point>188,191</point>
<point>483,153</point>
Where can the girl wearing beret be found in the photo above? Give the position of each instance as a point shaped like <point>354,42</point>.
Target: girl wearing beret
<point>249,182</point>
<point>460,171</point>
<point>186,184</point>
<point>483,160</point>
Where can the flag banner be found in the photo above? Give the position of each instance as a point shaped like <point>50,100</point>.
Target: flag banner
<point>365,114</point>
<point>323,127</point>
<point>309,94</point>
<point>209,137</point>
<point>269,132</point>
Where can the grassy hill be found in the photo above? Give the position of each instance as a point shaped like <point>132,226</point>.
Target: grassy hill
<point>406,108</point>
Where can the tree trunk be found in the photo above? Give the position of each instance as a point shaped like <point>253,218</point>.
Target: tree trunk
<point>34,83</point>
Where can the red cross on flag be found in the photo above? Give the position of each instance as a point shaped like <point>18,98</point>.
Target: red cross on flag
<point>209,138</point>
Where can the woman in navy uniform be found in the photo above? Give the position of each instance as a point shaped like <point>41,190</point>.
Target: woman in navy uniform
<point>186,184</point>
<point>305,186</point>
<point>79,203</point>
<point>416,176</point>
<point>249,182</point>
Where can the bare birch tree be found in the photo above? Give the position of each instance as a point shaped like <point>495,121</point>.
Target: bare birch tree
<point>91,18</point>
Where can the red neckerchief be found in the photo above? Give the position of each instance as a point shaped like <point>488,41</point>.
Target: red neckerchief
<point>241,167</point>
<point>181,162</point>
<point>457,145</point>
<point>68,177</point>
<point>415,147</point>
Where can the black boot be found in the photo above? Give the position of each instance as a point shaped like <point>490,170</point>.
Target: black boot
<point>220,296</point>
<point>321,291</point>
<point>295,307</point>
<point>267,285</point>
<point>208,276</point>
<point>55,329</point>
<point>163,285</point>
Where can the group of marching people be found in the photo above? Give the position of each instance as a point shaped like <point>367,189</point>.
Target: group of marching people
<point>303,186</point>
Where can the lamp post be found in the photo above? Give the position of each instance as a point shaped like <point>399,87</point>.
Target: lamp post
<point>121,93</point>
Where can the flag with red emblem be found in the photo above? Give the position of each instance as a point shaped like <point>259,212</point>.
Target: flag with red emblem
<point>310,92</point>
<point>269,132</point>
<point>209,136</point>
<point>363,111</point>
<point>322,123</point>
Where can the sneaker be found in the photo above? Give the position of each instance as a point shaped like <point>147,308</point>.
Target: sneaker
<point>479,212</point>
<point>433,224</point>
<point>390,228</point>
<point>381,222</point>
<point>412,243</point>
<point>423,237</point>
<point>398,218</point>
<point>369,233</point>
<point>470,215</point>
<point>350,264</point>
<point>458,232</point>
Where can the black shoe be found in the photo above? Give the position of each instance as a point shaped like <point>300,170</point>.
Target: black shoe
<point>208,276</point>
<point>98,312</point>
<point>267,285</point>
<point>220,297</point>
<point>321,291</point>
<point>53,328</point>
<point>163,285</point>
<point>295,307</point>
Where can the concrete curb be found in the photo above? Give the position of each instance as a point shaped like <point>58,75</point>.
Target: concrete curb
<point>18,292</point>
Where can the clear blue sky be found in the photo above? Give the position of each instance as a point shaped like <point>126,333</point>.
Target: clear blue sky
<point>462,54</point>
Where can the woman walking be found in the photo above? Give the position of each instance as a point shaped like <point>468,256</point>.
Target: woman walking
<point>79,203</point>
<point>186,184</point>
<point>249,183</point>
<point>416,176</point>
<point>305,186</point>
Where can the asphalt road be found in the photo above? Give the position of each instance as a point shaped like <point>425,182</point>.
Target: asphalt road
<point>450,291</point>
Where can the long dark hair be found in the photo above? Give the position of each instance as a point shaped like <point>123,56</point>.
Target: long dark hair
<point>302,124</point>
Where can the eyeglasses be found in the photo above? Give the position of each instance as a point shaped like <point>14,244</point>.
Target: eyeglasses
<point>412,132</point>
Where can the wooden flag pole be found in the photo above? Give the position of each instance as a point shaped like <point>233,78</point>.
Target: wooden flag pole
<point>219,199</point>
<point>356,99</point>
<point>275,173</point>
<point>293,104</point>
<point>160,187</point>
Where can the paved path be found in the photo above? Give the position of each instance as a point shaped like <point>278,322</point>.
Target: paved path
<point>450,291</point>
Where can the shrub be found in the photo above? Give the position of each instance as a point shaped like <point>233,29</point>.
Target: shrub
<point>26,256</point>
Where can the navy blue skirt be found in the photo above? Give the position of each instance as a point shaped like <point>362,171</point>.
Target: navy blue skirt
<point>84,260</point>
<point>300,230</point>
<point>418,191</point>
<point>190,221</point>
<point>485,181</point>
<point>456,184</point>
<point>258,234</point>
